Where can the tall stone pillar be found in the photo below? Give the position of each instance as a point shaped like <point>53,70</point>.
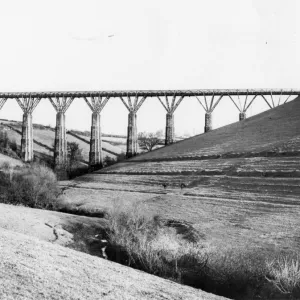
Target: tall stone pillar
<point>60,142</point>
<point>27,105</point>
<point>131,135</point>
<point>27,138</point>
<point>96,104</point>
<point>96,157</point>
<point>61,105</point>
<point>208,122</point>
<point>169,128</point>
<point>242,116</point>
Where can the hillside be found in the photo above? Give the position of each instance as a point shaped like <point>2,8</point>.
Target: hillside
<point>34,269</point>
<point>267,144</point>
<point>277,129</point>
<point>44,139</point>
<point>12,161</point>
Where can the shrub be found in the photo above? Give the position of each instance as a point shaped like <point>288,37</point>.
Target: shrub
<point>144,243</point>
<point>33,186</point>
<point>284,274</point>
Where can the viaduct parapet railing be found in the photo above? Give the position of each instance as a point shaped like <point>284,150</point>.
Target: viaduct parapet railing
<point>133,100</point>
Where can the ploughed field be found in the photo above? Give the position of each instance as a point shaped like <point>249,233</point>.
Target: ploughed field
<point>251,166</point>
<point>241,183</point>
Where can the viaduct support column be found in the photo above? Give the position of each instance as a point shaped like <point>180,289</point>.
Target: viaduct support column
<point>96,157</point>
<point>209,106</point>
<point>132,136</point>
<point>96,105</point>
<point>242,116</point>
<point>61,105</point>
<point>208,122</point>
<point>27,105</point>
<point>27,138</point>
<point>60,141</point>
<point>2,102</point>
<point>242,105</point>
<point>170,106</point>
<point>169,129</point>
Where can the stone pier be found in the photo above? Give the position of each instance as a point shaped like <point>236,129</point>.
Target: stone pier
<point>131,135</point>
<point>208,122</point>
<point>96,157</point>
<point>169,139</point>
<point>242,116</point>
<point>27,105</point>
<point>27,138</point>
<point>170,107</point>
<point>209,106</point>
<point>60,141</point>
<point>96,104</point>
<point>61,105</point>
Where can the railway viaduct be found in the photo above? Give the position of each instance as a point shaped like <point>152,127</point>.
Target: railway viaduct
<point>133,100</point>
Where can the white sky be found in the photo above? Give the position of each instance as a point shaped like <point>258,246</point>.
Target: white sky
<point>158,44</point>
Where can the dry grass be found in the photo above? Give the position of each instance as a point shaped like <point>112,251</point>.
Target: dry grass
<point>146,244</point>
<point>284,274</point>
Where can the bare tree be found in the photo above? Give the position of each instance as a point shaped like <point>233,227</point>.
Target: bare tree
<point>148,140</point>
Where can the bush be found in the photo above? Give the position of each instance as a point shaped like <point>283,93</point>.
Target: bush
<point>33,186</point>
<point>284,274</point>
<point>144,243</point>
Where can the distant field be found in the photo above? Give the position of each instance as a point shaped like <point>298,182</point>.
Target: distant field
<point>271,166</point>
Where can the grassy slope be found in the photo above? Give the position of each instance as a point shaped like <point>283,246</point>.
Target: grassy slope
<point>46,137</point>
<point>273,129</point>
<point>10,160</point>
<point>34,269</point>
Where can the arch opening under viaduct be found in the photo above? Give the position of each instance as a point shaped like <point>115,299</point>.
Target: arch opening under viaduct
<point>133,100</point>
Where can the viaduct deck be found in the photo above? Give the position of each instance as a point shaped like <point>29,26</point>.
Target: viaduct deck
<point>133,100</point>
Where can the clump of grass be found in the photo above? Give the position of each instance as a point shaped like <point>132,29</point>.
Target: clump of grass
<point>147,245</point>
<point>284,274</point>
<point>33,186</point>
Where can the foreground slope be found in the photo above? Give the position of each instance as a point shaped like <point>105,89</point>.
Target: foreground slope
<point>33,269</point>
